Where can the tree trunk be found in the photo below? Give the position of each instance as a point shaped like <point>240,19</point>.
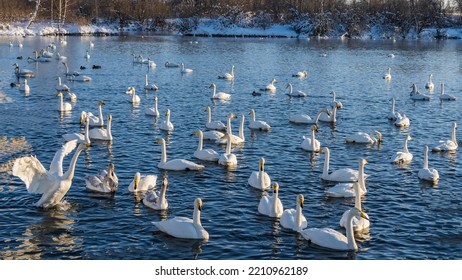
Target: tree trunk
<point>34,15</point>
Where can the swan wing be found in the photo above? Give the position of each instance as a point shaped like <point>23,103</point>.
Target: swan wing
<point>344,175</point>
<point>181,164</point>
<point>326,237</point>
<point>148,182</point>
<point>33,174</point>
<point>300,118</point>
<point>288,218</point>
<point>341,190</point>
<point>74,136</point>
<point>56,166</point>
<point>429,174</point>
<point>94,182</point>
<point>181,227</point>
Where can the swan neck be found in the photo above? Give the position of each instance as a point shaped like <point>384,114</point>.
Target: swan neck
<point>100,108</point>
<point>146,79</point>
<point>318,115</point>
<point>201,142</point>
<point>252,115</point>
<point>275,200</point>
<point>61,103</point>
<point>197,216</point>
<point>425,164</point>
<point>349,233</point>
<point>228,127</point>
<point>69,175</point>
<point>356,187</point>
<point>393,105</point>
<point>298,217</point>
<point>164,153</point>
<point>405,146</point>
<point>209,116</point>
<point>241,128</point>
<point>325,171</point>
<point>228,145</point>
<point>87,133</point>
<point>453,136</point>
<point>109,125</point>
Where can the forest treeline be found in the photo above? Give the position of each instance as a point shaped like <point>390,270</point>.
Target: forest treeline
<point>312,17</point>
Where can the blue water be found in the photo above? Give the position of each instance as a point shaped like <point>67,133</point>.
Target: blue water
<point>409,219</point>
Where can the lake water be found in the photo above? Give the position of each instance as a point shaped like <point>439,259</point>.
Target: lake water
<point>409,219</point>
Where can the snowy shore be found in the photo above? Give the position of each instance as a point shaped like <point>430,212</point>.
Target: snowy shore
<point>205,27</point>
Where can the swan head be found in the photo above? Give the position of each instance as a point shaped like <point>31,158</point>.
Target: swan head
<point>83,116</point>
<point>273,81</point>
<point>155,98</point>
<point>454,125</point>
<point>59,93</point>
<point>288,85</point>
<point>137,180</point>
<point>363,161</point>
<point>315,128</point>
<point>232,116</point>
<point>197,133</point>
<point>165,180</point>
<point>379,136</point>
<point>25,81</point>
<point>198,204</point>
<point>167,113</point>
<point>262,163</point>
<point>213,85</point>
<point>101,103</point>
<point>300,200</point>
<point>409,137</point>
<point>130,90</point>
<point>275,187</point>
<point>207,109</point>
<point>355,212</point>
<point>324,150</point>
<point>252,112</point>
<point>160,141</point>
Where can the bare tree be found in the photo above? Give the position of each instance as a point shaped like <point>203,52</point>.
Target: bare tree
<point>34,14</point>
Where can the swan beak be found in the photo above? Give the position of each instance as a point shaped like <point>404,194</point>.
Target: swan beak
<point>137,181</point>
<point>87,145</point>
<point>199,205</point>
<point>364,215</point>
<point>301,202</point>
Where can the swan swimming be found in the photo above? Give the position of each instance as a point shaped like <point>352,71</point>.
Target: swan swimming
<point>293,218</point>
<point>52,184</point>
<point>271,205</point>
<point>346,175</point>
<point>417,95</point>
<point>310,143</point>
<point>258,125</point>
<point>305,119</point>
<point>260,179</point>
<point>332,239</point>
<point>214,125</point>
<point>330,117</point>
<point>219,95</point>
<point>235,139</point>
<point>387,76</point>
<point>171,65</point>
<point>61,87</point>
<point>81,138</point>
<point>347,189</point>
<point>23,73</point>
<point>301,74</point>
<point>429,85</point>
<point>153,111</point>
<point>105,181</point>
<point>156,199</point>
<point>103,134</point>
<point>404,156</point>
<point>402,121</point>
<point>271,87</point>
<point>135,98</point>
<point>185,70</point>
<point>142,183</point>
<point>24,87</point>
<point>359,223</point>
<point>228,76</point>
<point>448,145</point>
<point>204,154</point>
<point>298,93</point>
<point>175,164</point>
<point>428,174</point>
<point>94,120</point>
<point>63,106</point>
<point>445,96</point>
<point>148,86</point>
<point>228,159</point>
<point>181,227</point>
<point>364,138</point>
<point>393,116</point>
<point>166,125</point>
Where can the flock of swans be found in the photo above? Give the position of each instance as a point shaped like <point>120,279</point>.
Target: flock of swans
<point>53,184</point>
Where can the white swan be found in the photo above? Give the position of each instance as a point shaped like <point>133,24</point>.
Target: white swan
<point>235,139</point>
<point>347,189</point>
<point>298,93</point>
<point>185,70</point>
<point>228,159</point>
<point>417,95</point>
<point>60,57</point>
<point>271,205</point>
<point>175,164</point>
<point>332,239</point>
<point>402,121</point>
<point>135,98</point>
<point>271,87</point>
<point>39,58</point>
<point>428,174</point>
<point>23,73</point>
<point>103,134</point>
<point>181,227</point>
<point>429,85</point>
<point>61,87</point>
<point>448,145</point>
<point>81,138</point>
<point>335,102</point>
<point>213,135</point>
<point>305,119</point>
<point>404,156</point>
<point>364,138</point>
<point>215,125</point>
<point>87,55</point>
<point>258,125</point>
<point>359,223</point>
<point>93,120</point>
<point>153,111</point>
<point>167,125</point>
<point>63,106</point>
<point>301,74</point>
<point>445,96</point>
<point>24,87</point>
<point>105,181</point>
<point>79,78</point>
<point>204,154</point>
<point>142,183</point>
<point>91,44</point>
<point>393,116</point>
<point>260,179</point>
<point>219,95</point>
<point>310,143</point>
<point>68,74</point>
<point>228,76</point>
<point>53,184</point>
<point>156,199</point>
<point>71,96</point>
<point>148,86</point>
<point>387,76</point>
<point>341,175</point>
<point>293,218</point>
<point>330,117</point>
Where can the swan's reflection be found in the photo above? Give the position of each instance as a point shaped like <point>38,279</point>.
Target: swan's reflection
<point>52,235</point>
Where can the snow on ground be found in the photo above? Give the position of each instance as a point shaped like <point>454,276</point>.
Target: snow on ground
<point>206,27</point>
